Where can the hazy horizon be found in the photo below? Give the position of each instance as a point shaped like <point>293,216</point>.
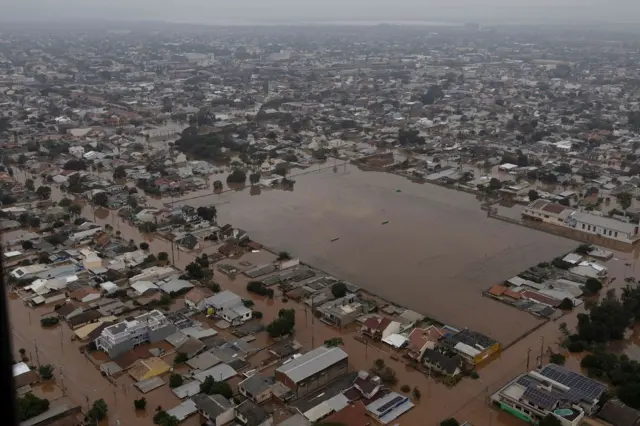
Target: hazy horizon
<point>292,11</point>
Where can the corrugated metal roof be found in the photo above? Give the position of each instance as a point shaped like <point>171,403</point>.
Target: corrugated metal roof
<point>312,362</point>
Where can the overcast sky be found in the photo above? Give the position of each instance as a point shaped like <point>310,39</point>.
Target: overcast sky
<point>255,11</point>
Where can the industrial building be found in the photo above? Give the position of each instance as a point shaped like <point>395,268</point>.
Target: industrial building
<point>313,370</point>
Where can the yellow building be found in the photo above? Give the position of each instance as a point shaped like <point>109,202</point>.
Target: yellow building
<point>144,369</point>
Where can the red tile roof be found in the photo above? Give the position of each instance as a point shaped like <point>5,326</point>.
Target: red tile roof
<point>377,323</point>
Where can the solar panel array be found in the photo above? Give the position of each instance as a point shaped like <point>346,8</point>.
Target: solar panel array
<point>540,398</point>
<point>390,404</point>
<point>581,387</point>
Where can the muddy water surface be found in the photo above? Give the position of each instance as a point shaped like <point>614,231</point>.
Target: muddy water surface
<point>436,254</point>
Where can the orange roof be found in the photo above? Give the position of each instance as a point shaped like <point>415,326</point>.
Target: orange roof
<point>512,294</point>
<point>497,290</point>
<point>351,415</point>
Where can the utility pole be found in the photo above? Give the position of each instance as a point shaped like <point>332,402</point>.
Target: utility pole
<point>313,327</point>
<point>37,355</point>
<point>528,354</point>
<point>541,351</point>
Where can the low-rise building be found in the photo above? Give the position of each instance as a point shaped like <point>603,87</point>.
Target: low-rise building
<point>126,335</point>
<point>251,414</point>
<point>343,311</point>
<point>313,370</point>
<point>471,346</point>
<point>228,306</point>
<point>257,388</point>
<point>389,407</point>
<point>215,408</point>
<point>553,390</point>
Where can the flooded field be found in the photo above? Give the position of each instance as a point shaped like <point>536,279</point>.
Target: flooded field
<point>436,255</point>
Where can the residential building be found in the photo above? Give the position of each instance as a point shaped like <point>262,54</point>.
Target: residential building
<point>367,384</point>
<point>228,306</point>
<point>195,298</point>
<point>378,327</point>
<point>257,388</point>
<point>441,363</point>
<point>471,346</point>
<point>215,408</point>
<point>343,311</point>
<point>615,413</point>
<point>388,408</point>
<point>251,414</point>
<point>606,227</point>
<point>421,339</point>
<point>548,212</point>
<point>554,390</point>
<point>313,370</point>
<point>126,335</point>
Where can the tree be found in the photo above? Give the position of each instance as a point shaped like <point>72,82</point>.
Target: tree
<point>195,271</point>
<point>175,380</point>
<point>494,184</point>
<point>163,256</point>
<point>46,372</point>
<point>207,213</point>
<point>144,246</point>
<point>416,393</point>
<point>162,418</point>
<point>557,359</point>
<point>217,185</point>
<point>259,288</point>
<point>98,411</point>
<point>281,169</point>
<point>211,387</point>
<point>30,406</point>
<point>27,245</point>
<point>434,93</point>
<point>533,195</point>
<point>65,202</point>
<point>566,304</point>
<point>284,255</point>
<point>30,185</point>
<point>624,198</point>
<point>284,324</point>
<point>75,165</point>
<point>336,341</point>
<point>140,404</point>
<point>237,176</point>
<point>132,202</point>
<point>630,394</point>
<point>550,420</point>
<point>44,192</point>
<point>450,422</point>
<point>75,210</point>
<point>101,199</point>
<point>339,289</point>
<point>592,286</point>
<point>119,173</point>
<point>180,358</point>
<point>254,178</point>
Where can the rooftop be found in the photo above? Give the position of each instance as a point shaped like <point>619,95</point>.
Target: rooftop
<point>312,363</point>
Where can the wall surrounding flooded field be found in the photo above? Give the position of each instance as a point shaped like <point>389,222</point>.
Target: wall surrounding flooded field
<point>436,255</point>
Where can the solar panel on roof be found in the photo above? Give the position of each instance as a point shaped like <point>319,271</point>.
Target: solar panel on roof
<point>540,398</point>
<point>581,387</point>
<point>390,404</point>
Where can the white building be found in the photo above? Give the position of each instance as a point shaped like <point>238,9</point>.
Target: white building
<point>548,212</point>
<point>126,335</point>
<point>626,232</point>
<point>228,306</point>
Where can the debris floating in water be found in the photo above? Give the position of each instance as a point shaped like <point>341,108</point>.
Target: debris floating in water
<point>335,239</point>
<point>385,222</point>
<point>398,190</point>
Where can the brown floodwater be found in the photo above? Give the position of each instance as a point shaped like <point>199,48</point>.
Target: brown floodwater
<point>436,254</point>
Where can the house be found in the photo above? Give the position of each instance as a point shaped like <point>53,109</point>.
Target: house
<point>215,408</point>
<point>122,337</point>
<point>228,306</point>
<point>421,339</point>
<point>554,390</point>
<point>195,298</point>
<point>313,370</point>
<point>23,375</point>
<point>231,249</point>
<point>590,270</point>
<point>342,311</point>
<point>545,211</point>
<point>144,369</point>
<point>388,408</point>
<point>251,414</point>
<point>615,413</point>
<point>189,241</point>
<point>471,346</point>
<point>606,227</point>
<point>378,327</point>
<point>441,363</point>
<point>367,384</point>
<point>257,388</point>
